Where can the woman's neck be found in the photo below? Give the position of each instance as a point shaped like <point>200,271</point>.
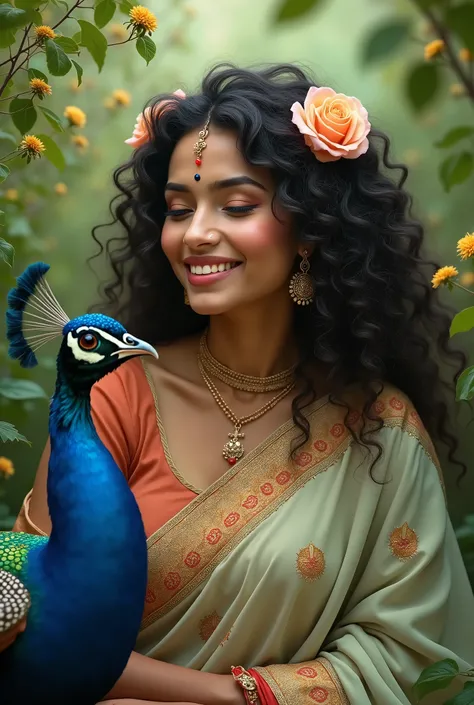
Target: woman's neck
<point>258,343</point>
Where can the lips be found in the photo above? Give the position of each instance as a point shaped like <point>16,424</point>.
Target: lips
<point>210,272</point>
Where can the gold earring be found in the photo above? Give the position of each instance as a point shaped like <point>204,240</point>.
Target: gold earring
<point>186,298</point>
<point>301,284</point>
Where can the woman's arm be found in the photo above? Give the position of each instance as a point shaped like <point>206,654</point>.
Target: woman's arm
<point>147,679</point>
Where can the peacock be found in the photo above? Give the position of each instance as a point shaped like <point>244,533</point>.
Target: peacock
<point>83,587</point>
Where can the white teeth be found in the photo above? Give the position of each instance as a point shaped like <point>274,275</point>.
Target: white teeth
<point>212,269</point>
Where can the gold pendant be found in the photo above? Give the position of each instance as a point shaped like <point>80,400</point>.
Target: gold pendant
<point>234,449</point>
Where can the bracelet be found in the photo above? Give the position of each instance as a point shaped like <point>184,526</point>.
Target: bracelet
<point>247,683</point>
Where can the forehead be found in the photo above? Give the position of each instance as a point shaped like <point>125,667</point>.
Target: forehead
<point>220,159</point>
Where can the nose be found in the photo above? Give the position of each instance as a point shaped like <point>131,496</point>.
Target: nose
<point>200,234</point>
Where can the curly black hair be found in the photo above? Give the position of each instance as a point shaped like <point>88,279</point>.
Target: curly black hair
<point>375,317</point>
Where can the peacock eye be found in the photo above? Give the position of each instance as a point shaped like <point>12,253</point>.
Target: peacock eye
<point>88,341</point>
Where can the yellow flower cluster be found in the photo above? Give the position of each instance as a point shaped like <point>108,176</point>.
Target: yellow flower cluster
<point>118,31</point>
<point>6,467</point>
<point>11,194</point>
<point>60,189</point>
<point>142,18</point>
<point>80,141</point>
<point>466,55</point>
<point>32,146</point>
<point>121,97</point>
<point>457,89</point>
<point>44,31</point>
<point>434,48</point>
<point>40,87</point>
<point>445,275</point>
<point>75,116</point>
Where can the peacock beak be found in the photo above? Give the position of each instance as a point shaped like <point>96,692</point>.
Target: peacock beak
<point>138,348</point>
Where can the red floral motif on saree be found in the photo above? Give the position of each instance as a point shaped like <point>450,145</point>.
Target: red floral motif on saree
<point>307,672</point>
<point>303,459</point>
<point>319,695</point>
<point>379,407</point>
<point>403,542</point>
<point>208,625</point>
<point>188,547</point>
<point>314,681</point>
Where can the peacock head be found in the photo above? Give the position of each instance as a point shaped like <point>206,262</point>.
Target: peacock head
<point>92,345</point>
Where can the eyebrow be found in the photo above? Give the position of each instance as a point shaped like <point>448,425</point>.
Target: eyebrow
<point>224,183</point>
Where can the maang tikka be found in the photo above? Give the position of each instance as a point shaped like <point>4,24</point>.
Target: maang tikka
<point>301,284</point>
<point>200,145</point>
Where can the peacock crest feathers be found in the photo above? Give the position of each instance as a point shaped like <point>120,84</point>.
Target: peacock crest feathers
<point>34,315</point>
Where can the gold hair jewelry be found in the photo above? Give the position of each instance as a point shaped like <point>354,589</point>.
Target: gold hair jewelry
<point>237,380</point>
<point>200,145</point>
<point>301,284</point>
<point>234,449</point>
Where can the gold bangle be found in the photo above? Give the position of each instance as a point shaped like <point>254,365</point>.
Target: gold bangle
<point>247,683</point>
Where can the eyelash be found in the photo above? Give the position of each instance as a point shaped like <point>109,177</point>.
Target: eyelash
<point>230,209</point>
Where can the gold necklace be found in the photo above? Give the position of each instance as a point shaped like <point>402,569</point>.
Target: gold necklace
<point>234,449</point>
<point>238,380</point>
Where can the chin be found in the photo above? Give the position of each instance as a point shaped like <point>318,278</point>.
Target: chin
<point>212,305</point>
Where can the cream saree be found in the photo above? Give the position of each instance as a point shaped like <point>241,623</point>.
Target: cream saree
<point>338,588</point>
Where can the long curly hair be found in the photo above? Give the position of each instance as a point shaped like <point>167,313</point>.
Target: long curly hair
<point>375,318</point>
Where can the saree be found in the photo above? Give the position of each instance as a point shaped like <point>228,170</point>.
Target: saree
<point>338,587</point>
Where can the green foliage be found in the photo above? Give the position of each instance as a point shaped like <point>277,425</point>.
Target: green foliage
<point>462,321</point>
<point>53,153</point>
<point>460,19</point>
<point>293,9</point>
<point>4,171</point>
<point>466,697</point>
<point>465,537</point>
<point>23,114</point>
<point>436,677</point>
<point>465,385</point>
<point>384,40</point>
<point>422,85</point>
<point>20,389</point>
<point>7,252</point>
<point>94,41</point>
<point>104,12</point>
<point>11,17</point>
<point>146,47</point>
<point>59,64</point>
<point>455,135</point>
<point>8,432</point>
<point>456,169</point>
<point>53,119</point>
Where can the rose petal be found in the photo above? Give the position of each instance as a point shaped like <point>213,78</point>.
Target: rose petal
<point>317,96</point>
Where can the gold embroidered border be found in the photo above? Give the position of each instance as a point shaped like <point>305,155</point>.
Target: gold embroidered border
<point>185,551</point>
<point>311,682</point>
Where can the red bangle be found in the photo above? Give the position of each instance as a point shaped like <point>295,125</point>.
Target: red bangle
<point>248,684</point>
<point>265,693</point>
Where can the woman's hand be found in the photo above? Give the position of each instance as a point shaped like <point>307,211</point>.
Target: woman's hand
<point>7,638</point>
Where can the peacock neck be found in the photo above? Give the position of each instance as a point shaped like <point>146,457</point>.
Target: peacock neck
<point>70,408</point>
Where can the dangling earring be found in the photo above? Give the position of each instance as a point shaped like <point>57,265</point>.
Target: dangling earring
<point>301,284</point>
<point>186,298</point>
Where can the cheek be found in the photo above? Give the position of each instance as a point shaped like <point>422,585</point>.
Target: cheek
<point>171,243</point>
<point>267,235</point>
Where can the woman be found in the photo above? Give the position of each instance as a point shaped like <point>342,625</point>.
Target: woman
<point>290,491</point>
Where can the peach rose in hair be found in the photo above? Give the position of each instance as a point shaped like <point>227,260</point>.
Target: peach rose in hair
<point>334,125</point>
<point>140,131</point>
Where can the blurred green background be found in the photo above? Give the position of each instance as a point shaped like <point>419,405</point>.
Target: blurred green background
<point>192,37</point>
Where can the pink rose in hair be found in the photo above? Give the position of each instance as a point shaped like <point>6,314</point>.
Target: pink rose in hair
<point>140,133</point>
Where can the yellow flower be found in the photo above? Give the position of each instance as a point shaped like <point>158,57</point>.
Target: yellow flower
<point>80,141</point>
<point>142,18</point>
<point>40,87</point>
<point>466,55</point>
<point>457,89</point>
<point>31,146</point>
<point>467,278</point>
<point>60,189</point>
<point>122,97</point>
<point>412,157</point>
<point>434,48</point>
<point>76,116</point>
<point>466,246</point>
<point>118,31</point>
<point>44,31</point>
<point>109,103</point>
<point>11,194</point>
<point>444,275</point>
<point>6,467</point>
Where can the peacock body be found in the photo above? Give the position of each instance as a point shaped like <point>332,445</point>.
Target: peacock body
<point>87,581</point>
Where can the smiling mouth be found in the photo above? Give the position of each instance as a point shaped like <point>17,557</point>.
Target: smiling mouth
<point>207,269</point>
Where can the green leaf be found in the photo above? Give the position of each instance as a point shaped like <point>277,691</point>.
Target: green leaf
<point>79,71</point>
<point>33,16</point>
<point>67,44</point>
<point>456,169</point>
<point>292,9</point>
<point>7,252</point>
<point>436,677</point>
<point>53,153</point>
<point>454,136</point>
<point>465,697</point>
<point>19,226</point>
<point>4,171</point>
<point>35,73</point>
<point>465,385</point>
<point>8,432</point>
<point>146,47</point>
<point>23,114</point>
<point>11,17</point>
<point>53,119</point>
<point>384,40</point>
<point>460,19</point>
<point>422,85</point>
<point>125,6</point>
<point>7,38</point>
<point>28,4</point>
<point>94,41</point>
<point>8,136</point>
<point>17,389</point>
<point>58,62</point>
<point>462,321</point>
<point>104,12</point>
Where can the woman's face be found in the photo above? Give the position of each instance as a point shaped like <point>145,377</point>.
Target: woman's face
<point>220,235</point>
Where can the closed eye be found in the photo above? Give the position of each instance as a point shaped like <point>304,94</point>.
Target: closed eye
<point>180,212</point>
